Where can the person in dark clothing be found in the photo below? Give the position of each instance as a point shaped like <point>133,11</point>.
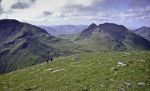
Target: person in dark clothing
<point>51,59</point>
<point>47,61</point>
<point>47,57</point>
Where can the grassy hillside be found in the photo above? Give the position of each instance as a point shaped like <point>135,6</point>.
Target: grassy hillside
<point>109,71</point>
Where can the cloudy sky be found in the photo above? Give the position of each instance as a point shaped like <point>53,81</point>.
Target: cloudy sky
<point>131,13</point>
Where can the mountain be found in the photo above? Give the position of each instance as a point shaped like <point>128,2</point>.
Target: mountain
<point>109,36</point>
<point>144,32</point>
<point>63,29</point>
<point>23,45</point>
<point>50,30</point>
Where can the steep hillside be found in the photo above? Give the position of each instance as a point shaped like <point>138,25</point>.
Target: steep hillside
<point>109,36</point>
<point>23,45</point>
<point>112,71</point>
<point>144,32</point>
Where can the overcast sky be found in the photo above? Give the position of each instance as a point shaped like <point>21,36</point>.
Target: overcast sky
<point>131,13</point>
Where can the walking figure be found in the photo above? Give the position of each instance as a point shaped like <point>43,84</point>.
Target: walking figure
<point>51,59</point>
<point>47,57</point>
<point>47,60</point>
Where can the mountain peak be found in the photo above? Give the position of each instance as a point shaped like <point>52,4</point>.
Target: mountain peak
<point>112,27</point>
<point>8,20</point>
<point>88,31</point>
<point>92,25</point>
<point>108,23</point>
<point>111,24</point>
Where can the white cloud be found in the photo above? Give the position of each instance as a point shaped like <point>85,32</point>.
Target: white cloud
<point>77,11</point>
<point>6,4</point>
<point>35,12</point>
<point>80,2</point>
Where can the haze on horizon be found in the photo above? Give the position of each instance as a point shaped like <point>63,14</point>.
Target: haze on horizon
<point>131,13</point>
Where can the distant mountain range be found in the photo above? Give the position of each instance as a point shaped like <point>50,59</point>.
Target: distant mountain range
<point>144,32</point>
<point>23,45</point>
<point>109,36</point>
<point>63,29</point>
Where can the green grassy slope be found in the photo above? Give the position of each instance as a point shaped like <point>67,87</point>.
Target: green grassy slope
<point>93,72</point>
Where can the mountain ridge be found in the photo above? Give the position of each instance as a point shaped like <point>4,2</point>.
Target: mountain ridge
<point>23,45</point>
<point>112,37</point>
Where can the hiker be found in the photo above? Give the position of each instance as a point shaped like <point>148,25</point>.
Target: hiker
<point>51,59</point>
<point>47,60</point>
<point>47,57</point>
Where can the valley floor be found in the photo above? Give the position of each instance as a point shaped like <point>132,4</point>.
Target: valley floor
<point>105,71</point>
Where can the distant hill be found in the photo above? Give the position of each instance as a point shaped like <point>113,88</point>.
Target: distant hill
<point>109,36</point>
<point>144,32</point>
<point>49,30</point>
<point>23,45</point>
<point>63,29</point>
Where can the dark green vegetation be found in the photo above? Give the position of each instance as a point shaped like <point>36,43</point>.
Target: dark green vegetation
<point>23,45</point>
<point>106,71</point>
<point>111,37</point>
